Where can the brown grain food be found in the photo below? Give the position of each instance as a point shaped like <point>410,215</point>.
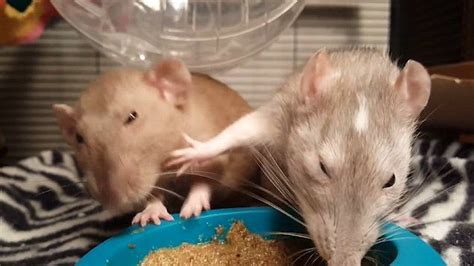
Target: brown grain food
<point>241,247</point>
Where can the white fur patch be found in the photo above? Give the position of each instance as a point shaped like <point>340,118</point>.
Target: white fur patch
<point>361,118</point>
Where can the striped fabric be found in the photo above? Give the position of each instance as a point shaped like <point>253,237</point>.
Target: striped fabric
<point>46,218</point>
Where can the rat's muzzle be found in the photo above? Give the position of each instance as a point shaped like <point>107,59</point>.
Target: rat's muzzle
<point>342,260</point>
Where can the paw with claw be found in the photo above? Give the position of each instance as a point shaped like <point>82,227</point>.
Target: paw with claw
<point>153,212</point>
<point>198,153</point>
<point>198,200</point>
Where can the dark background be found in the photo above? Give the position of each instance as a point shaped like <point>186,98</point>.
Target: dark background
<point>432,32</point>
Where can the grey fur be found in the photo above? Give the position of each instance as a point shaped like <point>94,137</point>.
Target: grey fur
<point>340,211</point>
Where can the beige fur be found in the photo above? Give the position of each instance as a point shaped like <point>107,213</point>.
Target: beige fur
<point>122,162</point>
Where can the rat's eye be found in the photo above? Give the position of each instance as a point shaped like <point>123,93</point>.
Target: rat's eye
<point>390,182</point>
<point>132,116</point>
<point>79,139</point>
<point>323,168</point>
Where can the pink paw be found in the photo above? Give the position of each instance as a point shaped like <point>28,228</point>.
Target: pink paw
<point>406,221</point>
<point>197,200</point>
<point>198,153</point>
<point>153,212</point>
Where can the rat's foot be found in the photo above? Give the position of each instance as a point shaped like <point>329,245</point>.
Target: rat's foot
<point>406,221</point>
<point>198,199</point>
<point>198,153</point>
<point>154,212</point>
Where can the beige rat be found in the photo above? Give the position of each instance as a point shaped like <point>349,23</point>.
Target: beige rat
<point>126,123</point>
<point>342,130</point>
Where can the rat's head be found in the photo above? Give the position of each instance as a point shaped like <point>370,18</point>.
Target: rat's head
<point>350,145</point>
<point>123,127</point>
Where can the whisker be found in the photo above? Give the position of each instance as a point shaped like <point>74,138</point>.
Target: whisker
<point>316,258</point>
<point>407,198</point>
<point>301,256</point>
<point>440,193</point>
<point>432,173</point>
<point>253,195</point>
<point>395,239</point>
<point>261,188</point>
<point>411,192</point>
<point>273,206</point>
<point>301,251</point>
<point>276,181</point>
<point>407,227</point>
<point>211,176</point>
<point>393,235</point>
<point>61,186</point>
<point>280,172</point>
<point>309,258</point>
<point>373,225</point>
<point>297,235</point>
<point>373,260</point>
<point>169,192</point>
<point>381,253</point>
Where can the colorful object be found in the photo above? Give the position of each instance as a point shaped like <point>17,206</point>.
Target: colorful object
<point>23,21</point>
<point>402,247</point>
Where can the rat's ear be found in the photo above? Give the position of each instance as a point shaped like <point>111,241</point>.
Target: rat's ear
<point>173,79</point>
<point>316,74</point>
<point>67,123</point>
<point>414,83</point>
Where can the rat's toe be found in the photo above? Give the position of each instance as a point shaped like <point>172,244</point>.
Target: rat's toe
<point>197,210</point>
<point>144,219</point>
<point>156,219</point>
<point>136,218</point>
<point>185,212</point>
<point>206,204</point>
<point>167,217</point>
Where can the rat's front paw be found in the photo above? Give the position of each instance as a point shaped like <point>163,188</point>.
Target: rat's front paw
<point>198,199</point>
<point>198,153</point>
<point>405,221</point>
<point>153,212</point>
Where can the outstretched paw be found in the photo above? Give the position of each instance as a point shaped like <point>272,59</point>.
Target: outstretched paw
<point>153,212</point>
<point>198,153</point>
<point>198,199</point>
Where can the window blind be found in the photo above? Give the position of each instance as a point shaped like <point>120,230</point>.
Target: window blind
<point>58,66</point>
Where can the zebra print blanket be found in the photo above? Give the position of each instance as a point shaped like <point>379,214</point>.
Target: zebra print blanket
<point>47,219</point>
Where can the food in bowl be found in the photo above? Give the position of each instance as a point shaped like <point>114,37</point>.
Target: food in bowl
<point>241,247</point>
<point>131,246</point>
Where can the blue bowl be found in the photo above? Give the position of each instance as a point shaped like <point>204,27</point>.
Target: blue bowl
<point>132,245</point>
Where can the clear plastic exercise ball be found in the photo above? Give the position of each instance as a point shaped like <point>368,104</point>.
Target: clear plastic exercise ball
<point>208,35</point>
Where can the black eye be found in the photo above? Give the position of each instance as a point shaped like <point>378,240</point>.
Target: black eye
<point>132,116</point>
<point>390,182</point>
<point>79,139</point>
<point>323,168</point>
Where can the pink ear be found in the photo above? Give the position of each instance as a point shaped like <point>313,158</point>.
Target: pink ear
<point>414,83</point>
<point>67,123</point>
<point>172,78</point>
<point>315,77</point>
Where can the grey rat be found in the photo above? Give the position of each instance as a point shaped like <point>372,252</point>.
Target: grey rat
<point>342,130</point>
<point>128,120</point>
